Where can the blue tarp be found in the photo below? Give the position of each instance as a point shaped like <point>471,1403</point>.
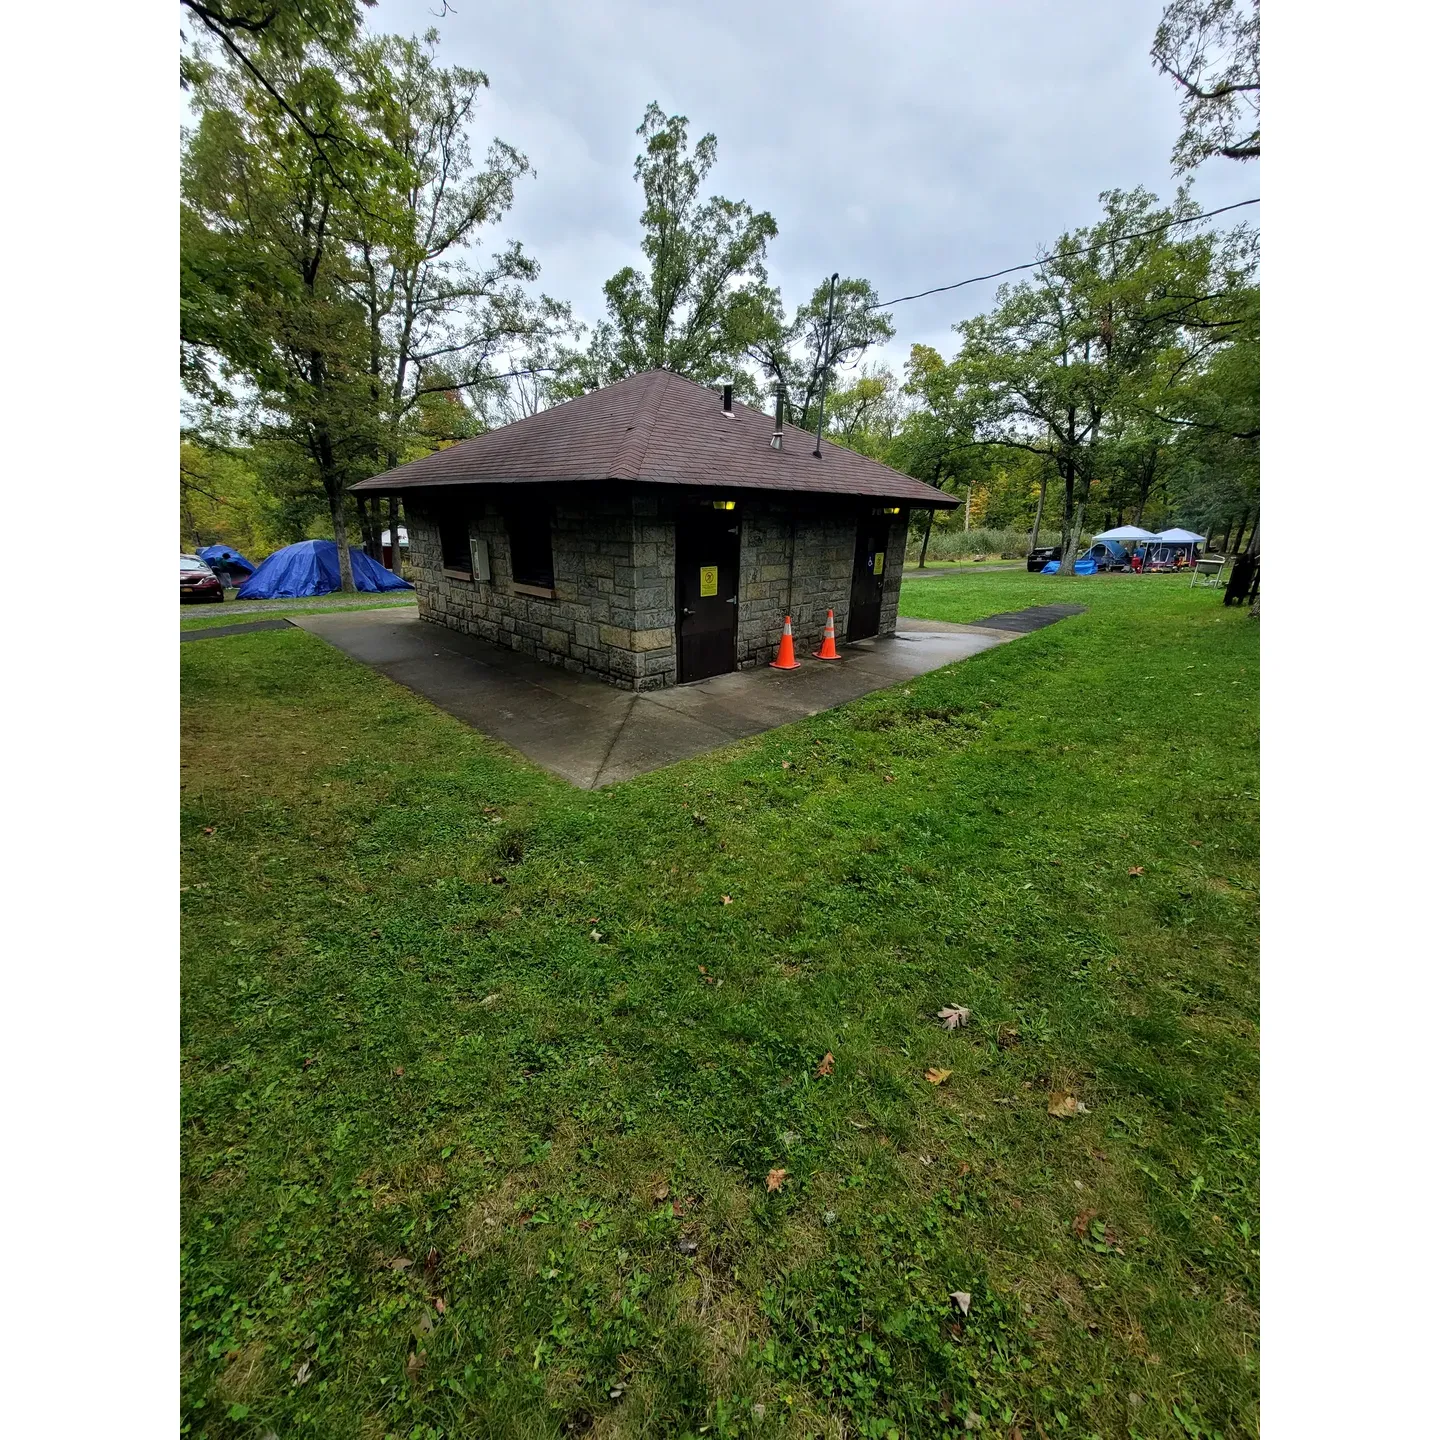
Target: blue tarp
<point>214,555</point>
<point>313,568</point>
<point>1082,567</point>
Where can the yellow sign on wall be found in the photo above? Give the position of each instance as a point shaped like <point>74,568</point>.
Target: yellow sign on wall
<point>709,580</point>
<point>879,562</point>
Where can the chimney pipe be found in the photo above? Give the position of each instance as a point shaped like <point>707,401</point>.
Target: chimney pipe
<point>727,399</point>
<point>777,440</point>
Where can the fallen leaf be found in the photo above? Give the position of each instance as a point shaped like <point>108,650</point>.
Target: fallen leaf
<point>492,999</point>
<point>1065,1106</point>
<point>303,1373</point>
<point>784,764</point>
<point>401,1263</point>
<point>964,1169</point>
<point>399,1070</point>
<point>861,1124</point>
<point>937,1077</point>
<point>953,1015</point>
<point>415,1364</point>
<point>972,1420</point>
<point>308,1061</point>
<point>209,830</point>
<point>774,1180</point>
<point>889,779</point>
<point>726,900</point>
<point>432,1261</point>
<point>594,934</point>
<point>661,1192</point>
<point>827,1065</point>
<point>1080,1225</point>
<point>961,1300</point>
<point>1137,870</point>
<point>686,1245</point>
<point>698,818</point>
<point>439,1304</point>
<point>1008,1037</point>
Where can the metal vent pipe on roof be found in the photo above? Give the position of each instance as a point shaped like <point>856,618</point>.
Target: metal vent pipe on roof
<point>777,440</point>
<point>727,399</point>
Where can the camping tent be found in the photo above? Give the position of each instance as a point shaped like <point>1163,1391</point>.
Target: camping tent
<point>313,568</point>
<point>222,557</point>
<point>1126,532</point>
<point>1177,536</point>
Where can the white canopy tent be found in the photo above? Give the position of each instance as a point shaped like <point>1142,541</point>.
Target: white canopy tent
<point>1128,532</point>
<point>1177,536</point>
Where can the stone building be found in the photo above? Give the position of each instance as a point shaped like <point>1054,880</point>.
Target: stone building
<point>654,533</point>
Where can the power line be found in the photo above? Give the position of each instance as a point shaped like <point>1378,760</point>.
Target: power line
<point>1045,259</point>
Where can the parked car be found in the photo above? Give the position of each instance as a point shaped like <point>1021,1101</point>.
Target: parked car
<point>199,582</point>
<point>1039,559</point>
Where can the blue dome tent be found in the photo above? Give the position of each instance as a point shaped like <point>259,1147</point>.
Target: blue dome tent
<point>313,568</point>
<point>225,561</point>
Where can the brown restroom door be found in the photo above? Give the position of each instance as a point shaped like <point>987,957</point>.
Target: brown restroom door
<point>869,578</point>
<point>707,585</point>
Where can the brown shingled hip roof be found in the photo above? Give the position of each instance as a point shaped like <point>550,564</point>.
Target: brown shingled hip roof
<point>660,429</point>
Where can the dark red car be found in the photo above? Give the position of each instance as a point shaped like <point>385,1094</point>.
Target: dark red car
<point>199,582</point>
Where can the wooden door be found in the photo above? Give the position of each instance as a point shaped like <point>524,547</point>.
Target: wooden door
<point>707,592</point>
<point>868,582</point>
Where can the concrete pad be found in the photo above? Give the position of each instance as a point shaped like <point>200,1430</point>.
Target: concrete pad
<point>214,632</point>
<point>593,734</point>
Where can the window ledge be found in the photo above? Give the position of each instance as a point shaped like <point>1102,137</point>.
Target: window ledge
<point>540,592</point>
<point>450,574</point>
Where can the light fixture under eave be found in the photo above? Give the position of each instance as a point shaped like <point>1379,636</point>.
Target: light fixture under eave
<point>723,504</point>
<point>888,510</point>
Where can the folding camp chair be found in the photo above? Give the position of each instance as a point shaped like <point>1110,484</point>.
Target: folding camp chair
<point>1207,571</point>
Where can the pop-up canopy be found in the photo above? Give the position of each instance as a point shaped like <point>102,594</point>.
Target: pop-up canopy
<point>313,568</point>
<point>1177,536</point>
<point>1127,532</point>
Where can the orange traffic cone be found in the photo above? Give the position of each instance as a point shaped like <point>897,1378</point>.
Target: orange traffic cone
<point>786,660</point>
<point>827,650</point>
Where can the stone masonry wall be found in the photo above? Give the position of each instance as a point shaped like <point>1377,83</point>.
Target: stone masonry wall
<point>613,610</point>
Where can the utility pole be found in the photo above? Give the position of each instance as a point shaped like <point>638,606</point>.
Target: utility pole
<point>825,361</point>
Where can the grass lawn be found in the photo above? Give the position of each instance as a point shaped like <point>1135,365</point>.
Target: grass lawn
<point>506,1107</point>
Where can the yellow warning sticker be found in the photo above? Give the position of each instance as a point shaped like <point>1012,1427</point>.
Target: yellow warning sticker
<point>709,580</point>
<point>879,562</point>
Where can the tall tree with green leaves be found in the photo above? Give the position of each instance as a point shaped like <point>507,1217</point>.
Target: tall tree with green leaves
<point>698,300</point>
<point>440,323</point>
<point>1211,50</point>
<point>803,355</point>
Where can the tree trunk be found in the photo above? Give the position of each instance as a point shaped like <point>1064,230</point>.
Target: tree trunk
<point>1039,511</point>
<point>1253,548</point>
<point>1240,532</point>
<point>395,536</point>
<point>1072,542</point>
<point>1070,535</point>
<point>925,543</point>
<point>969,490</point>
<point>342,539</point>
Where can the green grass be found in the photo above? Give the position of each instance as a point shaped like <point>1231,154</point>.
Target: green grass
<point>412,1074</point>
<point>247,610</point>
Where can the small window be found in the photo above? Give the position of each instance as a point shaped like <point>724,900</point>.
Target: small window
<point>455,541</point>
<point>531,562</point>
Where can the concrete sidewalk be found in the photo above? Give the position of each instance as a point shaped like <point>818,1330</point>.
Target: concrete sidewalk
<point>593,734</point>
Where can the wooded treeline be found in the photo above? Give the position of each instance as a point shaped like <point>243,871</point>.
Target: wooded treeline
<point>346,303</point>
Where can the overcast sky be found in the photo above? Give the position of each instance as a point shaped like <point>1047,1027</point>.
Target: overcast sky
<point>909,143</point>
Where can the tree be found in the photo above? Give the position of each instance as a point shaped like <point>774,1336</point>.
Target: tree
<point>1211,50</point>
<point>438,322</point>
<point>804,355</point>
<point>1118,316</point>
<point>270,203</point>
<point>331,286</point>
<point>701,296</point>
